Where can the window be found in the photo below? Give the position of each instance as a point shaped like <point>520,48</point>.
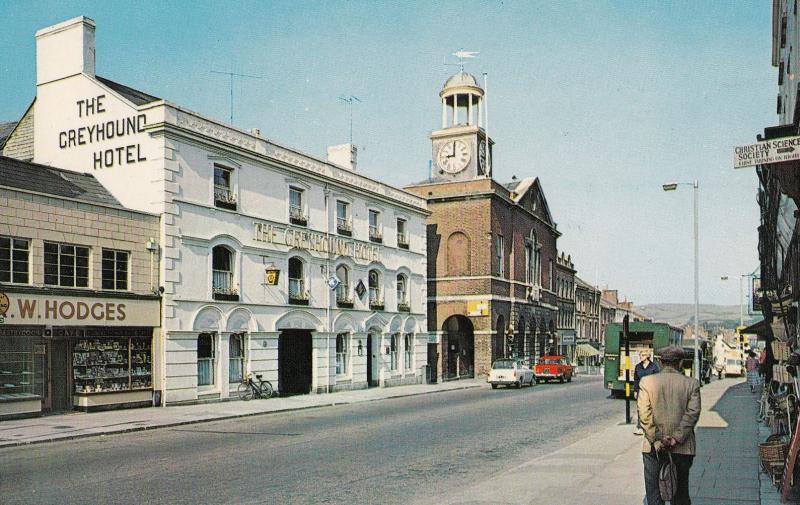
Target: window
<point>529,270</point>
<point>458,254</point>
<point>402,237</point>
<point>393,351</point>
<point>223,188</point>
<point>499,248</point>
<point>297,288</point>
<point>375,226</point>
<point>402,293</point>
<point>222,286</point>
<point>236,358</point>
<point>205,359</point>
<point>343,289</point>
<point>374,280</point>
<point>783,32</point>
<point>115,269</point>
<point>550,274</point>
<point>343,224</point>
<point>66,265</point>
<point>409,347</point>
<point>781,71</point>
<point>342,344</point>
<point>14,254</point>
<point>296,214</point>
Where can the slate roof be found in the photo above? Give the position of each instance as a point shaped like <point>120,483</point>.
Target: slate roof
<point>5,131</point>
<point>134,95</point>
<point>53,181</point>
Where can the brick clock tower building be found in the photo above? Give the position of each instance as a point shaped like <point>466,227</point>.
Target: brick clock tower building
<point>491,248</point>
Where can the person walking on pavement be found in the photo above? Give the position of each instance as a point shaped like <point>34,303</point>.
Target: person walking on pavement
<point>644,368</point>
<point>669,408</point>
<point>751,364</point>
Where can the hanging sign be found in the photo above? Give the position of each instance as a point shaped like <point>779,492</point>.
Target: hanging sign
<point>767,151</point>
<point>360,289</point>
<point>333,282</point>
<point>272,275</point>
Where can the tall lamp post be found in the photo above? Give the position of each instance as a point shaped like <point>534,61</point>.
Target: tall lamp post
<point>741,295</point>
<point>672,186</point>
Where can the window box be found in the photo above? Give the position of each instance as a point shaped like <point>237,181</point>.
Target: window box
<point>375,235</point>
<point>297,217</point>
<point>224,199</point>
<point>343,227</point>
<point>226,295</point>
<point>376,304</point>
<point>402,241</point>
<point>344,303</point>
<point>403,307</point>
<point>299,298</point>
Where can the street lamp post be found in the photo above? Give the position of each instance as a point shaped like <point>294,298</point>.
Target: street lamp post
<point>696,186</point>
<point>741,295</point>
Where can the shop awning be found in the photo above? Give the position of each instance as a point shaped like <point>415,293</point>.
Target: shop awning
<point>760,328</point>
<point>586,350</point>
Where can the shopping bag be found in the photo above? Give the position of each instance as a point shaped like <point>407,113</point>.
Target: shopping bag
<point>668,479</point>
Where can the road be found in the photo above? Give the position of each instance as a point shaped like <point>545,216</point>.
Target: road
<point>390,451</point>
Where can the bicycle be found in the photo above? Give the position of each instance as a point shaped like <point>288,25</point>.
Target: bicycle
<point>250,389</point>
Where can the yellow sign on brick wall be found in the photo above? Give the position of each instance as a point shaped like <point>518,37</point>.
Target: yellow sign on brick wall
<point>478,308</point>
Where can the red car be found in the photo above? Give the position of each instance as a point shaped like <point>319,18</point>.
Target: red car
<point>553,368</point>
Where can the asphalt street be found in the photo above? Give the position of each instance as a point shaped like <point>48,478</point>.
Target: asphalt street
<point>389,451</point>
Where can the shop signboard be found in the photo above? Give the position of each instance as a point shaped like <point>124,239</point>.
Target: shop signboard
<point>41,309</point>
<point>767,151</point>
<point>478,308</point>
<point>567,339</point>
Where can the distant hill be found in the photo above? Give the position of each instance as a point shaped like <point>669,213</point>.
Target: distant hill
<point>680,314</point>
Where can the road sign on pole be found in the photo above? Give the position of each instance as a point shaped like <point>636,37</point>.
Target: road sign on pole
<point>767,151</point>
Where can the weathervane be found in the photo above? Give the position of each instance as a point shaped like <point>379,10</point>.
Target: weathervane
<point>462,55</point>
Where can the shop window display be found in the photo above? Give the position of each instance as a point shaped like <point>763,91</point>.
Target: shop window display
<point>112,364</point>
<point>22,367</point>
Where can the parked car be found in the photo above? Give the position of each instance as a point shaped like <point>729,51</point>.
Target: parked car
<point>553,368</point>
<point>510,372</point>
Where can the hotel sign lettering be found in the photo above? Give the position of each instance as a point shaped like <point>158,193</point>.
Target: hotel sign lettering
<point>315,241</point>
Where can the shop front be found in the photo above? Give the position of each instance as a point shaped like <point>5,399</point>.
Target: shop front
<point>82,353</point>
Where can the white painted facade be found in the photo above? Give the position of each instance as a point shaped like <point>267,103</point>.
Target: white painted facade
<point>163,160</point>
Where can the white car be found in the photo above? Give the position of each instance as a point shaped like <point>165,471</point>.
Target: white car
<point>510,372</point>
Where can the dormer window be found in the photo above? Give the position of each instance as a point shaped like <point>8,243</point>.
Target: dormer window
<point>224,196</point>
<point>375,234</point>
<point>344,225</point>
<point>296,210</point>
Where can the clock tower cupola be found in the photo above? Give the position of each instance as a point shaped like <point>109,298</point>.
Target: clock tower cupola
<point>461,149</point>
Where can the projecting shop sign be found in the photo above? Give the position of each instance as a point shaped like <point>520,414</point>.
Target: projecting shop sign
<point>768,151</point>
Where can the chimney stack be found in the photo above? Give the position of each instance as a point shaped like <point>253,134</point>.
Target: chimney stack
<point>65,49</point>
<point>343,155</point>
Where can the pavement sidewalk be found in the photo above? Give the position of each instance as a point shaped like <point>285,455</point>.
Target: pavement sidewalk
<point>78,424</point>
<point>605,468</point>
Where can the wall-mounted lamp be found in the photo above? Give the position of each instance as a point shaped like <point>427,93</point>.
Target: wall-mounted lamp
<point>360,349</point>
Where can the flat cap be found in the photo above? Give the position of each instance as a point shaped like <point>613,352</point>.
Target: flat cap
<point>672,354</point>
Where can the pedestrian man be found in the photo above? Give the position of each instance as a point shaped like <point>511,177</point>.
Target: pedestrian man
<point>751,365</point>
<point>644,368</point>
<point>669,408</point>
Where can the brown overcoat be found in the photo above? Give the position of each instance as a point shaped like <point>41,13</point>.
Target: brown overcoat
<point>669,405</point>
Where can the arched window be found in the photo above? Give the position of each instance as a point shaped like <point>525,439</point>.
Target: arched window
<point>343,289</point>
<point>222,286</point>
<point>402,292</point>
<point>205,359</point>
<point>458,251</point>
<point>297,285</point>
<point>374,287</point>
<point>529,274</point>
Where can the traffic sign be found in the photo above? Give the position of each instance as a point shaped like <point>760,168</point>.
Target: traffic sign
<point>767,151</point>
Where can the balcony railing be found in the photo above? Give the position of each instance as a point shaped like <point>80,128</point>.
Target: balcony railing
<point>296,216</point>
<point>222,287</point>
<point>344,226</point>
<point>375,234</point>
<point>343,299</point>
<point>224,197</point>
<point>403,307</point>
<point>402,241</point>
<point>297,292</point>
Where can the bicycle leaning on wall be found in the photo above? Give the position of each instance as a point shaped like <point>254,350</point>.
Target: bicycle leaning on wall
<point>250,388</point>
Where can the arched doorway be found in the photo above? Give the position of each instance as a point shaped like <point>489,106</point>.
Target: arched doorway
<point>458,346</point>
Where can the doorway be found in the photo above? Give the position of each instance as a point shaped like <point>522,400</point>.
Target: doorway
<point>60,387</point>
<point>372,361</point>
<point>458,347</point>
<point>294,362</point>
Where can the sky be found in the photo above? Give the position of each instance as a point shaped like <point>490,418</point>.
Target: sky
<point>603,101</point>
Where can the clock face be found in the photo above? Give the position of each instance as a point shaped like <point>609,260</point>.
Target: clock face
<point>453,156</point>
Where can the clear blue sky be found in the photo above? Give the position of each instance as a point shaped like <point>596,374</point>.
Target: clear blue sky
<point>604,101</point>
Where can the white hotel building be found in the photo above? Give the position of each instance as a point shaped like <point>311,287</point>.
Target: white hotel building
<point>234,207</point>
